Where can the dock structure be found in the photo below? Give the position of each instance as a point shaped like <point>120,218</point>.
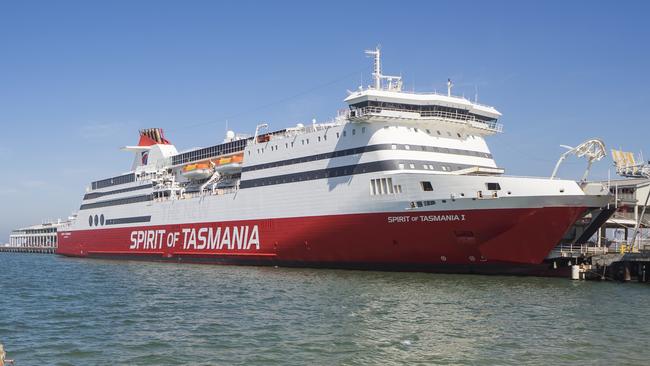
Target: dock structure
<point>613,243</point>
<point>41,238</point>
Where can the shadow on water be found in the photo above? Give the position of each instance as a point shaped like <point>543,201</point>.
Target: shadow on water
<point>59,310</point>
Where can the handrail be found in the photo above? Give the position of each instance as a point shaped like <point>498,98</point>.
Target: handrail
<point>445,95</point>
<point>472,120</point>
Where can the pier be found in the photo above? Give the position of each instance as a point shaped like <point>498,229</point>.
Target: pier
<point>613,244</point>
<point>41,238</point>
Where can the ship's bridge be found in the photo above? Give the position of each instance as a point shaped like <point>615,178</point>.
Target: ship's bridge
<point>385,101</point>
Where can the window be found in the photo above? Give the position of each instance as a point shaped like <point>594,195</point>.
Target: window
<point>394,147</point>
<point>438,133</point>
<point>344,133</point>
<point>493,186</point>
<point>428,132</point>
<point>382,186</point>
<point>354,131</point>
<point>318,138</point>
<point>363,130</point>
<point>426,186</point>
<point>338,135</point>
<point>407,147</point>
<point>458,135</point>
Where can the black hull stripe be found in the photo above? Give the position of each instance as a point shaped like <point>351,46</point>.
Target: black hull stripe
<point>116,202</point>
<point>375,166</point>
<point>90,196</point>
<point>363,149</point>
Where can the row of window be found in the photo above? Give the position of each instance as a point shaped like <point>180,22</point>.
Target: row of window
<point>209,152</point>
<point>383,186</point>
<point>116,202</point>
<point>122,179</point>
<point>370,148</point>
<point>34,231</point>
<point>427,187</point>
<point>96,220</point>
<point>93,195</point>
<point>419,108</point>
<point>305,141</point>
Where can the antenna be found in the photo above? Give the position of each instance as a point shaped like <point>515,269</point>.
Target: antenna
<point>449,86</point>
<point>475,93</point>
<point>377,66</point>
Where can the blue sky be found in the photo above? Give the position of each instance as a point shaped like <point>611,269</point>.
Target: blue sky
<point>78,79</point>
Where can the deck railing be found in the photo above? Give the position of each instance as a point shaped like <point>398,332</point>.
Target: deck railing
<point>451,116</point>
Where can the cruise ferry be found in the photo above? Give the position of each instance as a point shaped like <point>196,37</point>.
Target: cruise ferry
<point>397,181</point>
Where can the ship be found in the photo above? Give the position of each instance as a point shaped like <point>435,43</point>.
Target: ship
<point>397,180</point>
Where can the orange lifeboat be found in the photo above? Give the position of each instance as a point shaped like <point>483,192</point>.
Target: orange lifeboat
<point>230,164</point>
<point>197,171</point>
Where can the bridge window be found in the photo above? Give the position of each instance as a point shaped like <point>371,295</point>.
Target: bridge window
<point>493,186</point>
<point>426,186</point>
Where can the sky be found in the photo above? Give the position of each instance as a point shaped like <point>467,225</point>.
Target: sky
<point>79,78</point>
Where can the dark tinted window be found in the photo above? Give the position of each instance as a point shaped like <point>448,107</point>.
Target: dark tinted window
<point>426,186</point>
<point>493,186</point>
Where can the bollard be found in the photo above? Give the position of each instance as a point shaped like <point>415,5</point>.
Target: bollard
<point>575,272</point>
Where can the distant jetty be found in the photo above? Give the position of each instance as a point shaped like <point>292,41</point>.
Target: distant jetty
<point>41,238</point>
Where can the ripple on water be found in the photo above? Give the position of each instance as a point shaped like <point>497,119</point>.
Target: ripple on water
<point>90,312</point>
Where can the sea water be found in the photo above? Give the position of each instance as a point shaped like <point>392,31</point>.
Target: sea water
<point>65,311</point>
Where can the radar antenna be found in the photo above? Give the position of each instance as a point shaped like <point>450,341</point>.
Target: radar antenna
<point>592,150</point>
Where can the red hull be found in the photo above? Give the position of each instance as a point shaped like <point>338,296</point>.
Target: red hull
<point>494,241</point>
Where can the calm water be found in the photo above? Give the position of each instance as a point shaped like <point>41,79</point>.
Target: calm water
<point>63,311</point>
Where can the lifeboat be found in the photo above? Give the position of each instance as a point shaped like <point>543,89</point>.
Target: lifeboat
<point>197,171</point>
<point>229,164</point>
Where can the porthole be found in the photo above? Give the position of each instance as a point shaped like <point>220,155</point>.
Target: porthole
<point>101,219</point>
<point>90,220</point>
<point>443,258</point>
<point>96,221</point>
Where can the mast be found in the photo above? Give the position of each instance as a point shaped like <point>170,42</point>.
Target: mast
<point>377,66</point>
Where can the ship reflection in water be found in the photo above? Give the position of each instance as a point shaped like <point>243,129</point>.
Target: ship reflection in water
<point>140,313</point>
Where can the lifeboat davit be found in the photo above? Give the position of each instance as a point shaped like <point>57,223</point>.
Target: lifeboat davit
<point>197,171</point>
